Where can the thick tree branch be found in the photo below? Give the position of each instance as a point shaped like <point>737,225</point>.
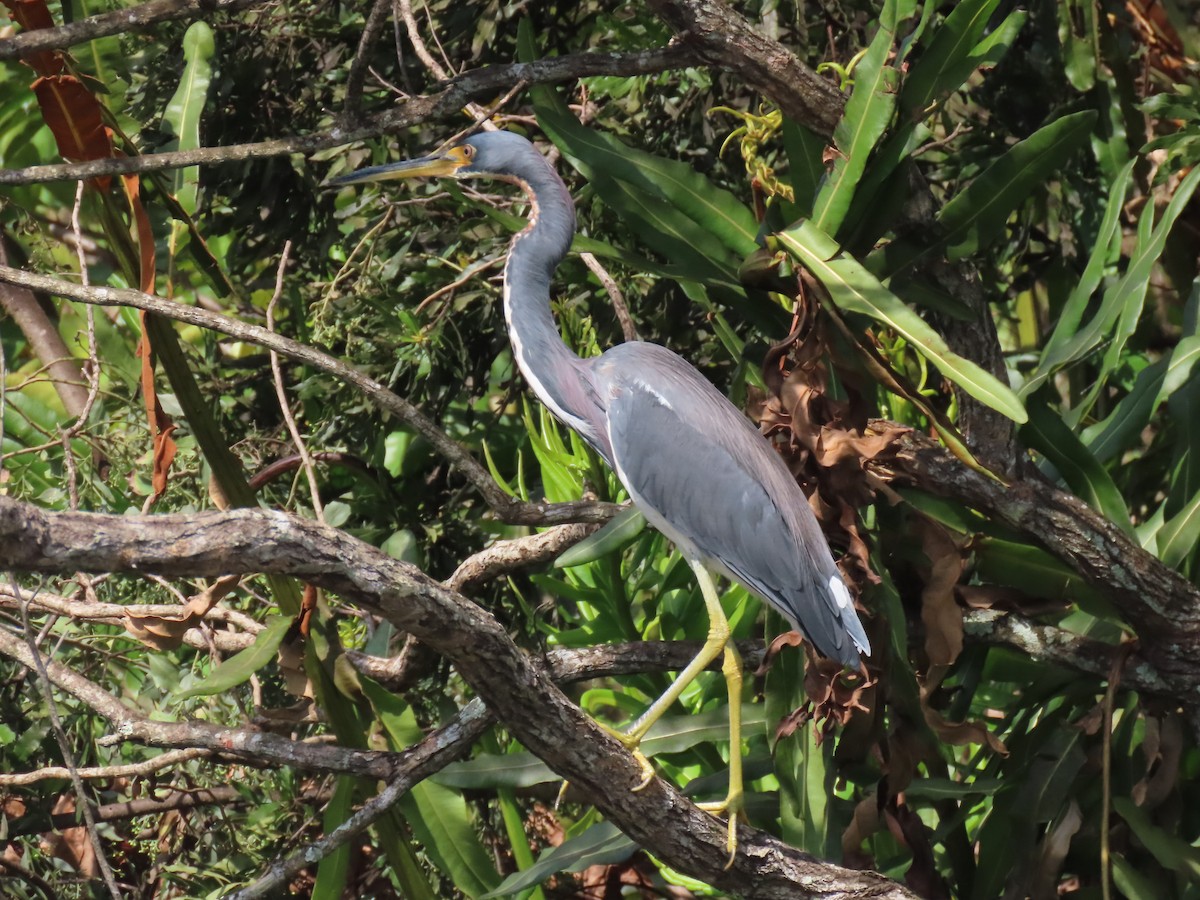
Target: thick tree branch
<point>515,686</point>
<point>725,39</point>
<point>1046,643</point>
<point>1161,605</point>
<point>505,507</point>
<point>446,102</point>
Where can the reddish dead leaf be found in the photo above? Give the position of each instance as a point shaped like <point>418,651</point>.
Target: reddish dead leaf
<point>939,611</point>
<point>71,845</point>
<point>863,824</point>
<point>906,826</point>
<point>143,232</point>
<point>605,882</point>
<point>32,15</point>
<point>833,694</point>
<point>166,632</point>
<point>291,652</point>
<point>74,117</point>
<point>787,639</point>
<point>308,605</point>
<point>161,425</point>
<point>960,733</point>
<point>824,441</point>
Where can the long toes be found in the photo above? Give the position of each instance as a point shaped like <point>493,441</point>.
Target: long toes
<point>631,743</point>
<point>647,770</point>
<point>731,807</point>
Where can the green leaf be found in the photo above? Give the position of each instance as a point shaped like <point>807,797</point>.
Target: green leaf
<point>867,115</point>
<point>945,789</point>
<point>947,60</point>
<point>605,160</point>
<point>439,817</point>
<point>1072,341</point>
<point>1031,569</point>
<point>184,110</point>
<point>1169,849</point>
<point>600,845</point>
<point>495,770</point>
<point>1133,413</point>
<point>615,535</point>
<point>239,667</point>
<point>1047,433</point>
<point>853,289</point>
<point>333,870</point>
<point>1177,538</point>
<point>1133,884</point>
<point>806,167</point>
<point>977,215</point>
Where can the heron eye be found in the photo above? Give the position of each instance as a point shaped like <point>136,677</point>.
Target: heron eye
<point>468,151</point>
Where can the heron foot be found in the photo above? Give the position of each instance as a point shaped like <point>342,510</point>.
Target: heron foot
<point>732,807</point>
<point>632,742</point>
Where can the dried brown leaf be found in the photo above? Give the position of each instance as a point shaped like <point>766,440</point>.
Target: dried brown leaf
<point>939,611</point>
<point>863,824</point>
<point>166,632</point>
<point>72,845</point>
<point>961,733</point>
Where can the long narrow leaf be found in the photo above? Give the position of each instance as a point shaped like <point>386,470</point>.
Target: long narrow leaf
<point>439,816</point>
<point>976,215</point>
<point>1132,414</point>
<point>183,112</point>
<point>947,60</point>
<point>855,290</point>
<point>1067,346</point>
<point>600,845</point>
<point>1047,433</point>
<point>239,667</point>
<point>867,115</point>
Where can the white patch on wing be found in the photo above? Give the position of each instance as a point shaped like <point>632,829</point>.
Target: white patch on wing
<point>841,594</point>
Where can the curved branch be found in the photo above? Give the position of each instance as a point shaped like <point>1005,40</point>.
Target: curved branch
<point>726,40</point>
<point>444,103</point>
<point>506,508</point>
<point>1161,604</point>
<point>513,685</point>
<point>116,22</point>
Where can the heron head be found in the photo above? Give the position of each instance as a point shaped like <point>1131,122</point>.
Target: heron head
<point>486,153</point>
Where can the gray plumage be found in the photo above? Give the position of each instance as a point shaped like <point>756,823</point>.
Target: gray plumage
<point>691,461</point>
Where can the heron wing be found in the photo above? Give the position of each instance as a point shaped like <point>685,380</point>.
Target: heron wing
<point>704,476</point>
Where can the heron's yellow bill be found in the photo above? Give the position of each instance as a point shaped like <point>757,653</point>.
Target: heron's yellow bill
<point>436,165</point>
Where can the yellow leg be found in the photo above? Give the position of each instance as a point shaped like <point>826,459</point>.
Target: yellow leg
<point>734,802</point>
<point>717,642</point>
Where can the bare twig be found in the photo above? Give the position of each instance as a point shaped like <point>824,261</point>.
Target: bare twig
<point>39,667</point>
<point>515,687</point>
<point>281,393</point>
<point>118,21</point>
<point>725,39</point>
<point>19,871</point>
<point>518,553</point>
<point>130,770</point>
<point>505,507</point>
<point>376,19</point>
<point>432,754</point>
<point>446,102</point>
<point>628,329</point>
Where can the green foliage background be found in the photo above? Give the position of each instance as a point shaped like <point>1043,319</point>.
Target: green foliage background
<point>1057,144</point>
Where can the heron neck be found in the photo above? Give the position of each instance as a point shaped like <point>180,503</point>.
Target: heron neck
<point>560,379</point>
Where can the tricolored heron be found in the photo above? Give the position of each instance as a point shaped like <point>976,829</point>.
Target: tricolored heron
<point>691,461</point>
